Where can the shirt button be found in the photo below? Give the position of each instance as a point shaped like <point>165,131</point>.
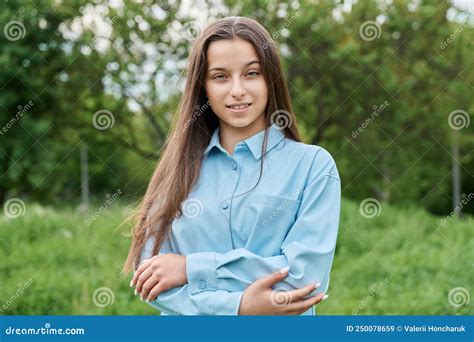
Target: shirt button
<point>225,205</point>
<point>203,285</point>
<point>234,166</point>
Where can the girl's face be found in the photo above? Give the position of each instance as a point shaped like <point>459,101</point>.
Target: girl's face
<point>235,86</point>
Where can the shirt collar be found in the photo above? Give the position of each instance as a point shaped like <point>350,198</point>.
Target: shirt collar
<point>254,143</point>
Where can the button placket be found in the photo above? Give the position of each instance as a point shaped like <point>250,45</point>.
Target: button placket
<point>237,158</point>
<point>225,205</point>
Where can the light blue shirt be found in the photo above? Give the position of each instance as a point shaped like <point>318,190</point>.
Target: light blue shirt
<point>290,219</point>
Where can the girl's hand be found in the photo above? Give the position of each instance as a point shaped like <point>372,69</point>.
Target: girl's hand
<point>159,274</point>
<point>260,299</point>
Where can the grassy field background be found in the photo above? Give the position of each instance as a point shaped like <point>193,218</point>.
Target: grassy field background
<point>402,262</point>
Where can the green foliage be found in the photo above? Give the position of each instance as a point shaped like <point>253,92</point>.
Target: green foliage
<point>337,78</point>
<point>379,104</point>
<point>66,259</point>
<point>415,72</point>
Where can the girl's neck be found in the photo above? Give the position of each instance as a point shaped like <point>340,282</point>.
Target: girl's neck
<point>229,136</point>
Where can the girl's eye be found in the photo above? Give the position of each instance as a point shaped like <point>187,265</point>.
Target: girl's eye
<point>218,77</point>
<point>252,73</point>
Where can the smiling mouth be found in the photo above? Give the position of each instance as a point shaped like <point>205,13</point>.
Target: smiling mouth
<point>242,106</point>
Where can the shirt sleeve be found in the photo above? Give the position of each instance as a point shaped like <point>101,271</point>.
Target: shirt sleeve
<point>308,248</point>
<point>179,300</point>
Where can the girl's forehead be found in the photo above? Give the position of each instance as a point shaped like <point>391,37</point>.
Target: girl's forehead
<point>231,53</point>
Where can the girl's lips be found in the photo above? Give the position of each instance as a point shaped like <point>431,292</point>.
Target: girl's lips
<point>235,110</point>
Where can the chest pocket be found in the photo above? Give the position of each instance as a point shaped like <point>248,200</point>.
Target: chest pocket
<point>266,221</point>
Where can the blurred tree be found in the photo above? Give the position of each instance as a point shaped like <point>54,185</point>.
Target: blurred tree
<point>31,59</point>
<point>375,83</point>
<point>370,83</point>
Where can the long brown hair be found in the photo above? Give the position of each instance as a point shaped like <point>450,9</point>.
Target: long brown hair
<point>192,127</point>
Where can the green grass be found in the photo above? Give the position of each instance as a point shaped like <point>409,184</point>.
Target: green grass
<point>402,262</point>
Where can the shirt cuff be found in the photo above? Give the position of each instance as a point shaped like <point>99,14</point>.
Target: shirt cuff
<point>201,272</point>
<point>228,305</point>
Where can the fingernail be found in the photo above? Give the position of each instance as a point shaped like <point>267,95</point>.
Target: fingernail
<point>141,298</point>
<point>135,292</point>
<point>317,285</point>
<point>325,297</point>
<point>285,270</point>
<point>131,283</point>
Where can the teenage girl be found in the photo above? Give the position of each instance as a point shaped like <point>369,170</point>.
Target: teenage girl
<point>240,217</point>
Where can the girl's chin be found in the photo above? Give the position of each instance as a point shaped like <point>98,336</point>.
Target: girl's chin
<point>240,123</point>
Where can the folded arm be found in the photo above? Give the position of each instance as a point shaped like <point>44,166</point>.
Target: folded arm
<point>180,300</point>
<point>308,248</point>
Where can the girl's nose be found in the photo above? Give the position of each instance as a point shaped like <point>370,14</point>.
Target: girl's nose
<point>237,89</point>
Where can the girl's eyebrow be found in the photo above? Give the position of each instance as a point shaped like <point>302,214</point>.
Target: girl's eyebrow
<point>245,65</point>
